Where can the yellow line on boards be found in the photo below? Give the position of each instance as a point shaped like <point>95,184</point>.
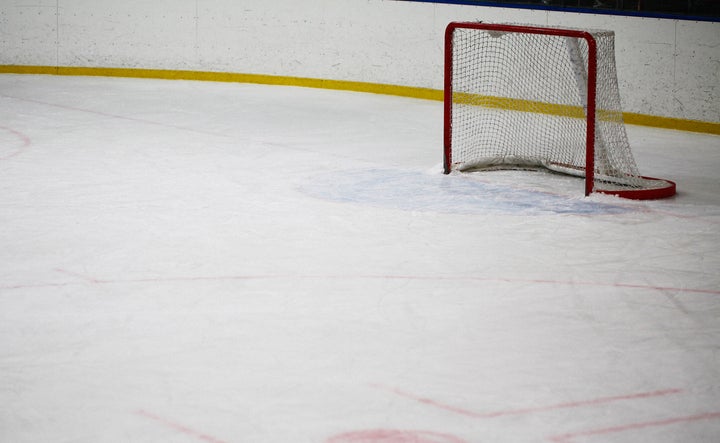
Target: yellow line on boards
<point>515,104</point>
<point>376,88</point>
<point>671,123</point>
<point>345,85</point>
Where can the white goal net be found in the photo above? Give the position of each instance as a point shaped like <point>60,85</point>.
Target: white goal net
<point>520,96</point>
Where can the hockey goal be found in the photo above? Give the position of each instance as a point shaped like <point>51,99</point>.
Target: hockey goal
<point>535,97</point>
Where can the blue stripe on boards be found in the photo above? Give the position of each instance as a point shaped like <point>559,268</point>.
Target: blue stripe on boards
<point>579,10</point>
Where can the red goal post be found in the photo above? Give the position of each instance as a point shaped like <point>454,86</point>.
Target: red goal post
<point>539,97</point>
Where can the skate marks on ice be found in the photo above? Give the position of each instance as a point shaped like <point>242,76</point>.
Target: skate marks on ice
<point>78,279</point>
<point>410,190</point>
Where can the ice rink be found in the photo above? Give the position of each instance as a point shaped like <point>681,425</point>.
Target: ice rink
<point>213,262</point>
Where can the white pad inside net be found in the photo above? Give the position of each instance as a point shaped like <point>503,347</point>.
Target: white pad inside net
<point>520,100</point>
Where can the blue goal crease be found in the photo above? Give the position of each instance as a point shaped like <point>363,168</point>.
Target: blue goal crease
<point>418,191</point>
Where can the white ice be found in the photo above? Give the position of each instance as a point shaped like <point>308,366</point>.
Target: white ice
<point>189,262</point>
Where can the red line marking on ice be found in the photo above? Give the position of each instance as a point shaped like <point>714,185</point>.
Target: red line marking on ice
<point>522,411</point>
<point>35,286</point>
<point>178,427</point>
<point>568,438</point>
<point>24,139</point>
<point>365,277</point>
<point>554,282</point>
<point>117,116</point>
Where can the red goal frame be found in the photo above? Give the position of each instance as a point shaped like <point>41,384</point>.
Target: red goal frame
<point>637,194</point>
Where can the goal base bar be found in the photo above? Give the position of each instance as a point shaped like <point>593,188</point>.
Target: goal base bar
<point>665,189</point>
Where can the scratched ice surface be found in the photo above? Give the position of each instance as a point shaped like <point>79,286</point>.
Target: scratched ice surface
<point>204,262</point>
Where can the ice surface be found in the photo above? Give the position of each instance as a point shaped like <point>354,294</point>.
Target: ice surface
<point>192,262</point>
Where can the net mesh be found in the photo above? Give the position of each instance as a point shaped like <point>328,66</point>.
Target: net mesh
<point>520,100</point>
